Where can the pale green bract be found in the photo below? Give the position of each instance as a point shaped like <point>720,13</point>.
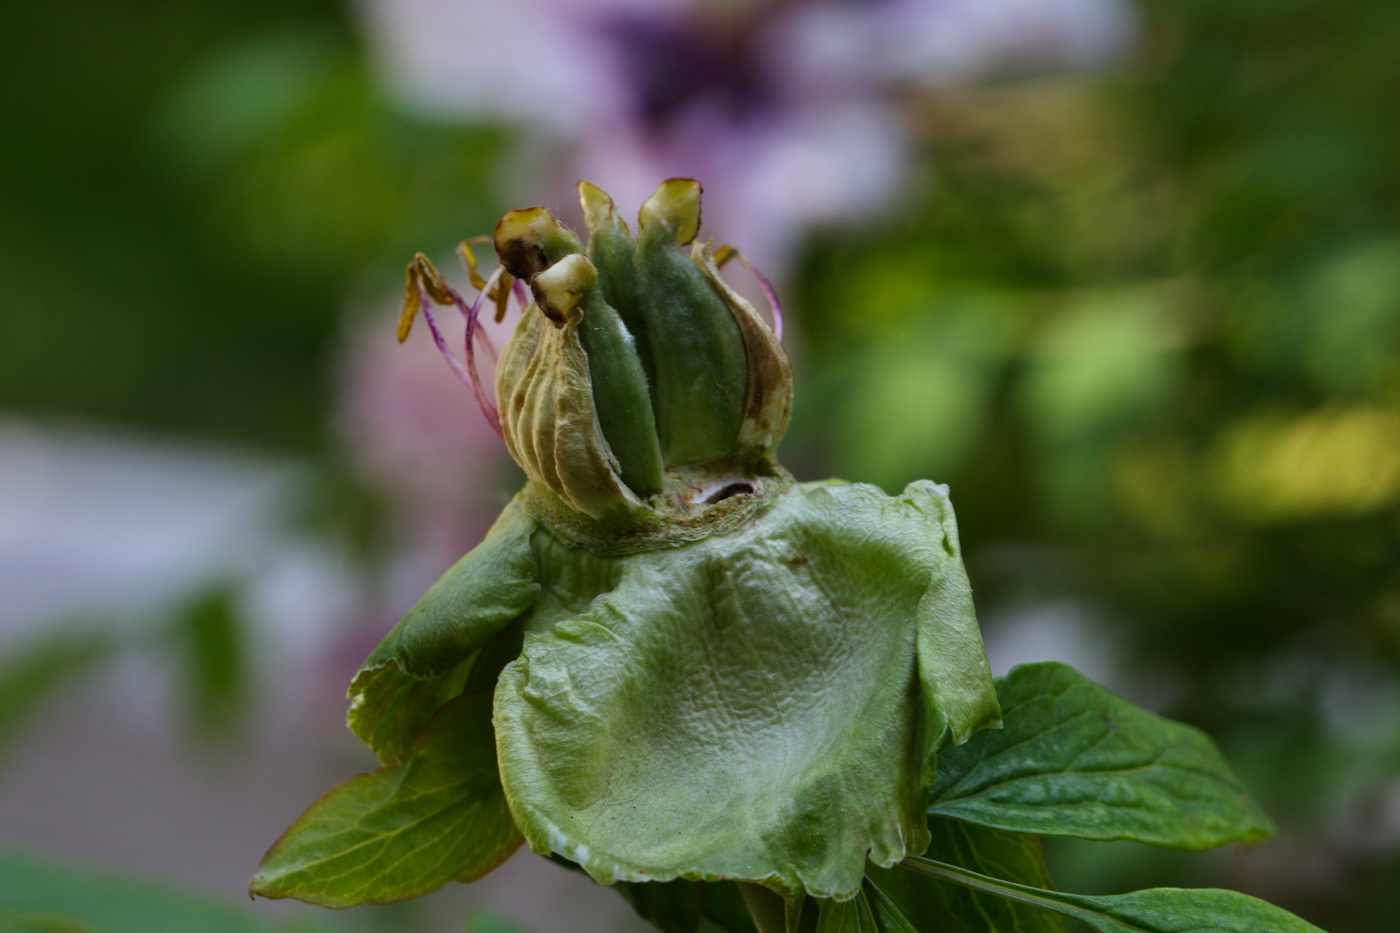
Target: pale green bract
<point>761,705</point>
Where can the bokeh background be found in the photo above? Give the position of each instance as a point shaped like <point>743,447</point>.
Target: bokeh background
<point>1124,273</point>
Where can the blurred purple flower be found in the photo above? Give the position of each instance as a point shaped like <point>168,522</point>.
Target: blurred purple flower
<point>785,107</point>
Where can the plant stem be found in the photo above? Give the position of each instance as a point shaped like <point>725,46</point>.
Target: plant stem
<point>1020,893</point>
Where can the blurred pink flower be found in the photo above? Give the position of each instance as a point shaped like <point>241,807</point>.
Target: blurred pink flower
<point>783,107</point>
<point>417,437</point>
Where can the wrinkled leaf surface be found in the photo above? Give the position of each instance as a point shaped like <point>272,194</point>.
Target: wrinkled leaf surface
<point>759,705</point>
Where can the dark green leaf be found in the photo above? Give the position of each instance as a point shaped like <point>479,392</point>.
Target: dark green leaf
<point>216,666</point>
<point>747,706</point>
<point>1074,759</point>
<point>1156,910</point>
<point>770,912</point>
<point>673,907</point>
<point>853,916</point>
<point>725,911</point>
<point>427,658</point>
<point>889,917</point>
<point>933,907</point>
<point>402,831</point>
<point>43,923</point>
<point>687,906</point>
<point>870,911</point>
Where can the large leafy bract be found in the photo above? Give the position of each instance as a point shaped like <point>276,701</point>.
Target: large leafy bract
<point>1074,759</point>
<point>760,705</point>
<point>401,831</point>
<point>428,658</point>
<point>1155,910</point>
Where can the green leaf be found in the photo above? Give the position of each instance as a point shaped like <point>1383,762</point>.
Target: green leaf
<point>674,907</point>
<point>427,658</point>
<point>38,895</point>
<point>725,910</point>
<point>747,707</point>
<point>402,831</point>
<point>212,637</point>
<point>853,916</point>
<point>889,917</point>
<point>934,907</point>
<point>488,921</point>
<point>1155,910</point>
<point>685,906</point>
<point>689,906</point>
<point>389,708</point>
<point>43,923</point>
<point>1074,759</point>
